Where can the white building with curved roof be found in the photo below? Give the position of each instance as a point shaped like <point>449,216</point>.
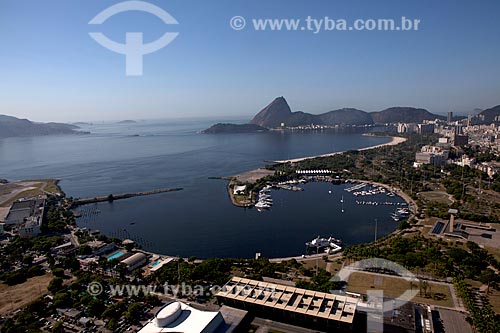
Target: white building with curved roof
<point>181,318</point>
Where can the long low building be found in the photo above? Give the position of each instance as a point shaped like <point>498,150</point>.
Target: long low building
<point>290,304</point>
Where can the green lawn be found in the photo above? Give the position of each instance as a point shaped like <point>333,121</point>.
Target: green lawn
<point>438,294</point>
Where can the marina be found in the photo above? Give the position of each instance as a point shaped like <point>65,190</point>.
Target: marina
<point>400,214</point>
<point>376,203</point>
<point>358,190</point>
<point>288,218</point>
<point>264,198</point>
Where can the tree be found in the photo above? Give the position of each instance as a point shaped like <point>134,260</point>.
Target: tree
<point>15,277</point>
<point>50,260</point>
<point>35,271</point>
<point>62,300</point>
<point>134,312</point>
<point>58,272</point>
<point>121,269</point>
<point>95,308</point>
<point>138,274</point>
<point>423,285</point>
<point>486,277</point>
<point>404,224</point>
<point>84,250</point>
<point>72,263</point>
<point>58,327</point>
<point>112,324</point>
<point>152,299</point>
<point>55,285</point>
<point>28,260</point>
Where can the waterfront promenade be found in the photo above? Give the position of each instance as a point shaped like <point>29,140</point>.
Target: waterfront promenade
<point>396,140</point>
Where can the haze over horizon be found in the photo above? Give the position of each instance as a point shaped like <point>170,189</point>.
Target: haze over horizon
<point>53,71</point>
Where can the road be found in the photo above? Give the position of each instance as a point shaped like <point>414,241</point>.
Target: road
<point>73,238</point>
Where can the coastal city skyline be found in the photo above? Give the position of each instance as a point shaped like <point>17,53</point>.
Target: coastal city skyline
<point>210,69</point>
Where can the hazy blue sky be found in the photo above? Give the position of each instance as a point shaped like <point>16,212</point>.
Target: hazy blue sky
<point>50,69</point>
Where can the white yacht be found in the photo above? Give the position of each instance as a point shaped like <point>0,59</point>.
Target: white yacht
<point>261,204</point>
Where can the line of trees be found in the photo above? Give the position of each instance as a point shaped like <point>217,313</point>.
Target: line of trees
<point>482,317</point>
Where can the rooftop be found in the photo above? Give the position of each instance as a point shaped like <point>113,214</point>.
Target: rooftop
<point>311,303</point>
<point>181,318</point>
<point>232,319</point>
<point>20,211</point>
<point>134,259</point>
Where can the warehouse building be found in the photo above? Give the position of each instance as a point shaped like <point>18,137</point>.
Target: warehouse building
<point>25,217</point>
<point>135,261</point>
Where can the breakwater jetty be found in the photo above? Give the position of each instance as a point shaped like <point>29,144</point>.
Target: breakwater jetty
<point>113,197</point>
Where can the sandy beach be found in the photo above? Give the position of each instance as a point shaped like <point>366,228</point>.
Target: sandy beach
<point>396,140</point>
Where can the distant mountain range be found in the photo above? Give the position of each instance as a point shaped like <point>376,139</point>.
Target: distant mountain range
<point>278,112</point>
<point>491,114</point>
<point>15,127</point>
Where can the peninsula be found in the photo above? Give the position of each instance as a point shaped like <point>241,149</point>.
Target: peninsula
<point>15,127</point>
<point>279,115</point>
<point>234,128</point>
<point>255,179</point>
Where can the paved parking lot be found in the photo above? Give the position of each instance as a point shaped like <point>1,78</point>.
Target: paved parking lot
<point>454,322</point>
